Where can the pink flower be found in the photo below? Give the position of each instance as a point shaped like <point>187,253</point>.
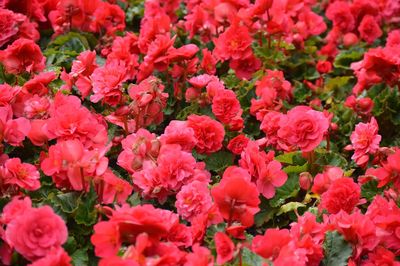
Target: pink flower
<point>15,208</point>
<point>271,176</point>
<point>201,256</point>
<point>208,132</point>
<point>303,128</point>
<point>193,199</point>
<point>148,101</point>
<point>72,165</point>
<point>209,62</point>
<point>8,94</point>
<point>9,25</point>
<point>137,148</point>
<point>15,130</point>
<point>175,166</point>
<point>115,189</point>
<point>270,126</point>
<point>178,132</point>
<point>39,232</point>
<point>69,120</point>
<point>107,81</point>
<point>36,107</point>
<point>24,175</point>
<point>365,140</point>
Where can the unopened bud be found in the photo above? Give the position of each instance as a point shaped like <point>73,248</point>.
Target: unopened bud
<point>305,180</point>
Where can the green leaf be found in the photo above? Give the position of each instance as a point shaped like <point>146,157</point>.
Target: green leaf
<point>296,168</point>
<point>291,206</point>
<point>80,257</point>
<point>134,199</point>
<point>337,82</point>
<point>286,157</point>
<point>290,189</point>
<point>251,259</point>
<point>337,250</point>
<point>70,245</point>
<point>86,213</point>
<point>188,110</point>
<point>68,202</point>
<point>370,189</point>
<point>330,158</point>
<point>345,58</point>
<point>219,161</point>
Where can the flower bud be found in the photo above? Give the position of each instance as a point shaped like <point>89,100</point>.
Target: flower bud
<point>305,180</point>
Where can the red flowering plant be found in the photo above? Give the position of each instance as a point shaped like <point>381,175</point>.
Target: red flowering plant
<point>199,132</point>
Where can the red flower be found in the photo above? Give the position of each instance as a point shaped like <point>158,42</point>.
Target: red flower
<point>226,106</point>
<point>324,67</point>
<point>201,256</point>
<point>38,84</point>
<point>209,62</point>
<point>238,144</point>
<point>22,55</point>
<point>57,257</point>
<point>234,43</point>
<point>245,67</point>
<point>208,132</point>
<point>357,229</point>
<point>224,247</point>
<point>369,29</point>
<point>386,216</point>
<point>324,180</point>
<point>15,25</point>
<point>237,199</point>
<point>109,17</point>
<point>339,13</point>
<point>269,245</point>
<point>37,233</point>
<point>106,239</point>
<point>381,256</point>
<point>343,194</point>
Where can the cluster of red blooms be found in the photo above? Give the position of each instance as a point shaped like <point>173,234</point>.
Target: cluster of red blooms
<point>123,78</point>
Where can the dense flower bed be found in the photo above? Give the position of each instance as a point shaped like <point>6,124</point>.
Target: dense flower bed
<point>187,132</point>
